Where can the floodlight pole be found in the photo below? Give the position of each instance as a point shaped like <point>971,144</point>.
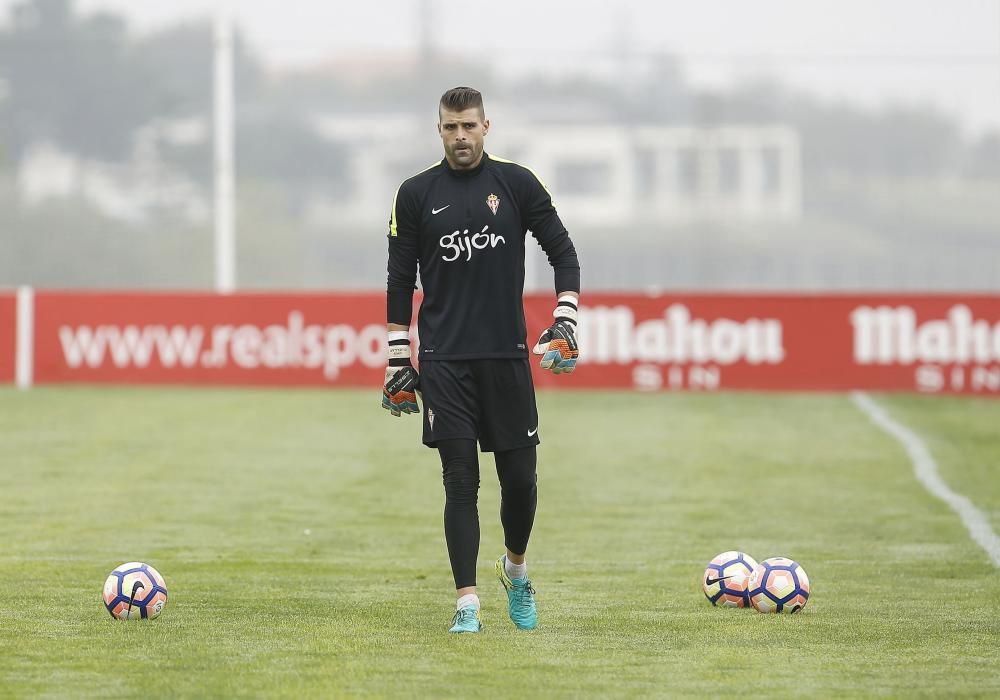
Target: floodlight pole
<point>225,190</point>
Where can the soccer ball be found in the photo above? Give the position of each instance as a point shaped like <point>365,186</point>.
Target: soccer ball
<point>139,583</point>
<point>779,585</point>
<point>725,581</point>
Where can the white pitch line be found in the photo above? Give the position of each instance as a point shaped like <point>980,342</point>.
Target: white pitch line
<point>926,471</point>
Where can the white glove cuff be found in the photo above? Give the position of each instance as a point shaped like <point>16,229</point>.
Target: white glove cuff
<point>399,352</point>
<point>566,309</point>
<point>399,345</point>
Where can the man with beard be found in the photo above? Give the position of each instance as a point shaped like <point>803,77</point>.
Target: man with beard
<point>463,222</point>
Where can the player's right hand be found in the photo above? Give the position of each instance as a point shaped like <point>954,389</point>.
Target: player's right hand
<point>399,393</point>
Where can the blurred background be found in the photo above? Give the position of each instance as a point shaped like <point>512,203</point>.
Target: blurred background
<point>773,145</point>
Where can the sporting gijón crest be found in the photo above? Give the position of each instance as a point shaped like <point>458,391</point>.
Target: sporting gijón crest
<point>493,202</point>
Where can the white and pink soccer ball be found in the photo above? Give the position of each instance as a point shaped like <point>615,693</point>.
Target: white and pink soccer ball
<point>778,585</point>
<point>135,591</point>
<point>726,578</point>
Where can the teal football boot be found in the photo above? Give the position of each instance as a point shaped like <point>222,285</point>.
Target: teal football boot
<point>466,620</point>
<point>520,597</point>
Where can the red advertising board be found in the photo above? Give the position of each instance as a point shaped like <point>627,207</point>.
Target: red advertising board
<point>930,343</point>
<point>8,339</point>
<point>160,338</point>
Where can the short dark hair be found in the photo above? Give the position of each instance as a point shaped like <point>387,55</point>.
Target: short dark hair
<point>459,99</point>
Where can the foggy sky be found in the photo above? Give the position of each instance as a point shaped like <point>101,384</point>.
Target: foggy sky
<point>872,52</point>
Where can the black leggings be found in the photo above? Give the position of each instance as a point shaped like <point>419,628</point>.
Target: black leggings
<point>518,497</point>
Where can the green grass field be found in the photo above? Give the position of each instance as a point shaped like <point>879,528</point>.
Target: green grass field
<point>300,534</point>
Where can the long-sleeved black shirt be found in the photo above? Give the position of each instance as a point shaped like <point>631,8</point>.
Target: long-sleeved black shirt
<point>465,229</point>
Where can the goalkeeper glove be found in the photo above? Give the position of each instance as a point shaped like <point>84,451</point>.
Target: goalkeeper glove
<point>401,380</point>
<point>557,345</point>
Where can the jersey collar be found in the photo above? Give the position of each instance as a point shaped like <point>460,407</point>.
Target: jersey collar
<point>466,173</point>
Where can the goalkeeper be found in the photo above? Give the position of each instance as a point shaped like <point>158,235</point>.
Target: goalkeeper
<point>464,222</point>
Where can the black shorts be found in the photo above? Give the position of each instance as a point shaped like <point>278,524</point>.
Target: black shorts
<point>492,401</point>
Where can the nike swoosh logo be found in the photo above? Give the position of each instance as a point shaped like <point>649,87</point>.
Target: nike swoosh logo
<point>531,433</point>
<point>712,581</point>
<point>438,211</point>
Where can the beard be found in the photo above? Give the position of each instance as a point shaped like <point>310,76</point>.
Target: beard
<point>463,155</point>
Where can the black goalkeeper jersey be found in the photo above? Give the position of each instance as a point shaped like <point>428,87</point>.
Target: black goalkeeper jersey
<point>466,231</point>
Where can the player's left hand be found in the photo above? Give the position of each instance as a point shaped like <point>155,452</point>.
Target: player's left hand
<point>557,344</point>
<point>558,348</point>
